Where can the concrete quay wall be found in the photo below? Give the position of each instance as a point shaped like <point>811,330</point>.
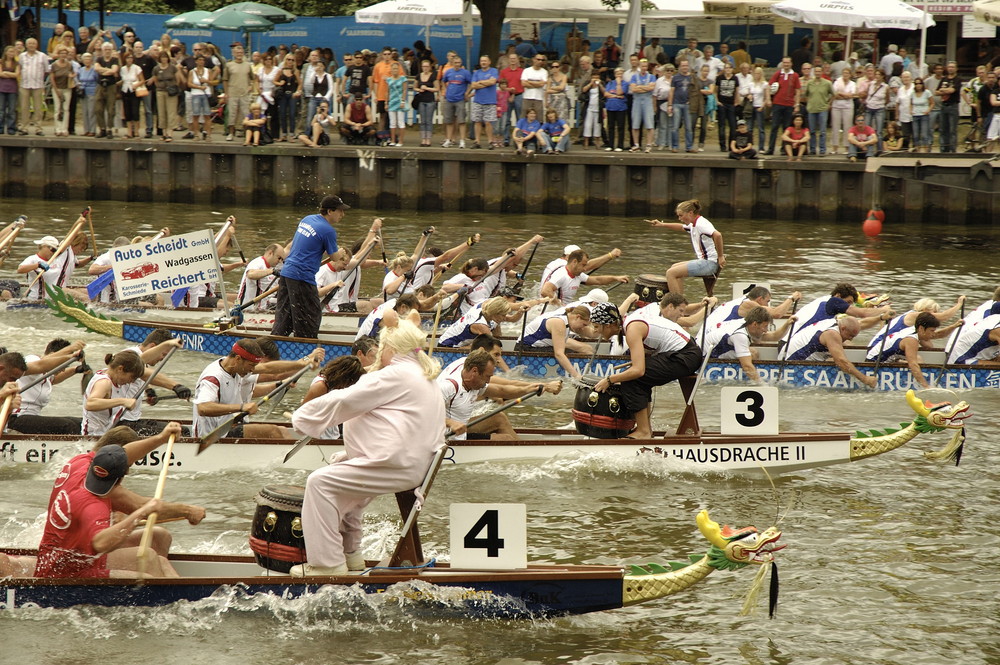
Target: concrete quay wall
<point>828,189</point>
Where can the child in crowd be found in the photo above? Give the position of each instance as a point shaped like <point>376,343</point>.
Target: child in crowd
<point>741,145</point>
<point>893,140</point>
<point>503,115</point>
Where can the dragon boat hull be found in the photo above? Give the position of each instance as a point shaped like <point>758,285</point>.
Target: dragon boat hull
<point>782,453</point>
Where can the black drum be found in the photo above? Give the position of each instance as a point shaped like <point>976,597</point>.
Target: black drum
<point>650,288</point>
<point>276,534</point>
<point>600,415</point>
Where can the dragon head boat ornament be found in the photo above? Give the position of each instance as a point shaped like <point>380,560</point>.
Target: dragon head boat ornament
<point>930,418</point>
<point>731,549</point>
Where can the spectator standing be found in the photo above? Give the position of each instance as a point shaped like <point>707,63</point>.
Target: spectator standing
<point>535,79</point>
<point>524,49</point>
<point>691,53</point>
<point>340,79</point>
<point>63,79</point>
<point>760,91</point>
<point>200,81</point>
<point>842,108</point>
<point>146,61</point>
<point>641,88</point>
<point>359,78</point>
<point>396,104</point>
<point>784,100</point>
<point>740,55</point>
<point>9,72</point>
<point>169,84</point>
<point>616,106</point>
<point>130,80</point>
<point>904,107</point>
<point>612,52</point>
<point>288,91</point>
<point>727,92</point>
<point>678,103</point>
<point>107,91</point>
<point>948,94</point>
<point>802,54</point>
<point>819,99</point>
<point>592,107</point>
<point>483,91</point>
<point>931,83</point>
<point>512,74</point>
<point>34,70</point>
<point>876,98</point>
<point>889,59</point>
<point>555,91</point>
<point>502,124</point>
<point>380,77</point>
<point>239,85</point>
<point>921,107</point>
<point>456,83</point>
<point>725,56</point>
<point>652,51</point>
<point>661,96</point>
<point>704,88</point>
<point>426,86</point>
<point>714,64</point>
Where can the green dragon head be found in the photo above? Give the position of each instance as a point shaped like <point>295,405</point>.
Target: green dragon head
<point>735,548</point>
<point>937,417</point>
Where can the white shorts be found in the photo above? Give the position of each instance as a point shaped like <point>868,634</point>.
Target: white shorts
<point>397,119</point>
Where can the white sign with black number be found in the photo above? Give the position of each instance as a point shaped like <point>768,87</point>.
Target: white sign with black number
<point>741,289</point>
<point>489,536</point>
<point>749,410</point>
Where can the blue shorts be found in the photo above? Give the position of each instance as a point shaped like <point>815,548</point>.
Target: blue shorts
<point>642,113</point>
<point>702,268</point>
<point>199,105</point>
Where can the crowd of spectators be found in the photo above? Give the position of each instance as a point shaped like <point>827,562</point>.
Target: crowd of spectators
<point>101,84</point>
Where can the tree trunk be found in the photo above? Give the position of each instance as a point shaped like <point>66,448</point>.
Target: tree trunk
<point>491,13</point>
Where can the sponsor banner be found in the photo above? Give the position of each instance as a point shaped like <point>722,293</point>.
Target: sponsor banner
<point>165,264</point>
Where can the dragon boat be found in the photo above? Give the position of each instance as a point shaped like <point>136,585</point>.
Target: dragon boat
<point>534,591</point>
<point>814,374</point>
<point>690,448</point>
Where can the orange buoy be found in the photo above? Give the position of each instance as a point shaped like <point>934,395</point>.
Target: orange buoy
<point>878,213</point>
<point>872,226</point>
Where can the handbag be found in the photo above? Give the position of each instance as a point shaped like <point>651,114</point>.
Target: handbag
<point>172,89</point>
<point>141,91</point>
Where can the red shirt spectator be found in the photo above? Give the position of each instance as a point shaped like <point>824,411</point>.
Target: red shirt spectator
<point>788,84</point>
<point>513,77</point>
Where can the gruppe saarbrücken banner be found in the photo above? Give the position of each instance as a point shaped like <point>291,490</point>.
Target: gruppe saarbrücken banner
<point>166,264</point>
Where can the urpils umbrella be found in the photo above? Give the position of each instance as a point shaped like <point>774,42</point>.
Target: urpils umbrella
<point>186,20</point>
<point>270,12</point>
<point>235,21</point>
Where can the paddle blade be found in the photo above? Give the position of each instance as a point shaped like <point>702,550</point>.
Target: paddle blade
<point>214,436</point>
<point>97,285</point>
<point>299,445</point>
<point>177,297</point>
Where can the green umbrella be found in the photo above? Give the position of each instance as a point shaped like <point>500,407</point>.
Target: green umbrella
<point>186,20</point>
<point>235,21</point>
<point>270,12</point>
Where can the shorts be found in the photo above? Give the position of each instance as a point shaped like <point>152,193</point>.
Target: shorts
<point>661,369</point>
<point>199,105</point>
<point>702,268</point>
<point>209,301</point>
<point>453,112</point>
<point>484,112</point>
<point>397,119</point>
<point>642,113</point>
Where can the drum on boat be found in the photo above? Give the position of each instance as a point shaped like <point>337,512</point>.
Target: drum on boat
<point>650,288</point>
<point>600,415</point>
<point>276,534</point>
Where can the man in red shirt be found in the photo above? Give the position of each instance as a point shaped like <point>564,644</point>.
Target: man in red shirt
<point>784,100</point>
<point>512,74</point>
<point>79,538</point>
<point>861,138</point>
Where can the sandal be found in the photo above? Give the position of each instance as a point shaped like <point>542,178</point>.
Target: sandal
<point>634,148</point>
<point>168,139</point>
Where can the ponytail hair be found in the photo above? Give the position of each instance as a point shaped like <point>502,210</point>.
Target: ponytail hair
<point>403,338</point>
<point>691,205</point>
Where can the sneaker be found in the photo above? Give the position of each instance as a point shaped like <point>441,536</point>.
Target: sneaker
<point>608,149</point>
<point>356,561</point>
<point>447,144</point>
<point>474,146</point>
<point>149,133</point>
<point>618,150</point>
<point>229,137</point>
<point>21,132</point>
<point>461,144</point>
<point>308,570</point>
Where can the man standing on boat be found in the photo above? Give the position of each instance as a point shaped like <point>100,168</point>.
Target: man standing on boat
<point>393,422</point>
<point>661,351</point>
<point>79,538</point>
<point>299,311</point>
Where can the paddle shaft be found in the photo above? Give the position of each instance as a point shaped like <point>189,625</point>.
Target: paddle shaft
<point>497,267</point>
<point>434,332</point>
<point>52,372</point>
<point>59,250</point>
<point>8,241</point>
<point>418,255</point>
<point>947,354</point>
<point>881,349</point>
<point>93,237</point>
<point>708,356</point>
<point>8,405</point>
<point>788,340</point>
<point>524,271</point>
<point>142,389</point>
<point>147,533</point>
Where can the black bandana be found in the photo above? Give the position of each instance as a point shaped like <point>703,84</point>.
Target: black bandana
<point>604,313</point>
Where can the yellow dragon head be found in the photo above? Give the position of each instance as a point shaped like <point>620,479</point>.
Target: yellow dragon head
<point>937,417</point>
<point>735,548</point>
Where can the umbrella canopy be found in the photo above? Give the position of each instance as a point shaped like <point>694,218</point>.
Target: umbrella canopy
<point>269,12</point>
<point>412,12</point>
<point>235,21</point>
<point>429,12</point>
<point>987,11</point>
<point>874,14</point>
<point>738,8</point>
<point>186,20</point>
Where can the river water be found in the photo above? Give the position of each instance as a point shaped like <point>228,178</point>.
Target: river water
<point>890,560</point>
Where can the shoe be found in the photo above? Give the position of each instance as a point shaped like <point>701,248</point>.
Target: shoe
<point>608,149</point>
<point>618,150</point>
<point>701,150</point>
<point>149,133</point>
<point>447,144</point>
<point>692,150</point>
<point>634,148</point>
<point>852,158</point>
<point>649,148</point>
<point>673,150</point>
<point>39,132</point>
<point>356,561</point>
<point>308,570</point>
<point>399,145</point>
<point>474,146</point>
<point>461,144</point>
<point>766,152</point>
<point>531,153</point>
<point>189,135</point>
<point>229,137</point>
<point>21,132</point>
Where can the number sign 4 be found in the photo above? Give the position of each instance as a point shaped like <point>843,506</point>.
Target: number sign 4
<point>489,536</point>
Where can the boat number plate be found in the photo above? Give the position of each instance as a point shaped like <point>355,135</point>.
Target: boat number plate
<point>489,536</point>
<point>749,410</point>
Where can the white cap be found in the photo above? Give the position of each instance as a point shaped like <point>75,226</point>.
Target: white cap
<point>595,295</point>
<point>48,241</point>
<point>569,249</point>
<point>893,48</point>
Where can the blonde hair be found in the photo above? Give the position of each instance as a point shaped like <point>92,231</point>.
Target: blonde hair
<point>403,338</point>
<point>494,308</point>
<point>926,305</point>
<point>691,205</point>
<point>401,260</point>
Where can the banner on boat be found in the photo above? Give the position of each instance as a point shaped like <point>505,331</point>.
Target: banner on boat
<point>166,264</point>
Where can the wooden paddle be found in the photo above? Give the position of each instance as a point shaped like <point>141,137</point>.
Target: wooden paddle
<point>147,533</point>
<point>67,241</point>
<point>142,389</point>
<point>10,234</point>
<point>8,405</point>
<point>456,306</point>
<point>708,355</point>
<point>434,331</point>
<point>52,372</point>
<point>418,255</point>
<point>223,429</point>
<point>881,349</point>
<point>93,238</point>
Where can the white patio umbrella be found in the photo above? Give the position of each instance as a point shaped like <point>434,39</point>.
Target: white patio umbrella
<point>430,12</point>
<point>413,12</point>
<point>987,11</point>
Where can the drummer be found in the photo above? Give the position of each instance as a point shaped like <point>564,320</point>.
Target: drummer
<point>731,340</point>
<point>660,350</point>
<point>592,265</point>
<point>706,240</point>
<point>565,281</point>
<point>80,539</point>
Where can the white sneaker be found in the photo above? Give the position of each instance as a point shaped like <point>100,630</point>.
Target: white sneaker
<point>447,143</point>
<point>308,570</point>
<point>461,144</point>
<point>229,137</point>
<point>356,560</point>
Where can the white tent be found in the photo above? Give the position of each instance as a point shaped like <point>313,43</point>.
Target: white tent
<point>430,12</point>
<point>987,11</point>
<point>873,14</point>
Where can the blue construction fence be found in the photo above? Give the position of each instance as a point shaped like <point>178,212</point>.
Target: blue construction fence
<point>343,33</point>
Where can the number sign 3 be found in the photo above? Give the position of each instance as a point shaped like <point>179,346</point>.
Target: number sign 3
<point>489,536</point>
<point>750,410</point>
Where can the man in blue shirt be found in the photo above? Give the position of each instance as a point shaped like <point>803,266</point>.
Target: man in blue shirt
<point>677,106</point>
<point>456,83</point>
<point>298,309</point>
<point>484,100</point>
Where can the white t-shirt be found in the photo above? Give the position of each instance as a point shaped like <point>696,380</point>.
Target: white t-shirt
<point>701,239</point>
<point>251,288</point>
<point>532,74</point>
<point>51,276</point>
<point>458,402</point>
<point>217,386</point>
